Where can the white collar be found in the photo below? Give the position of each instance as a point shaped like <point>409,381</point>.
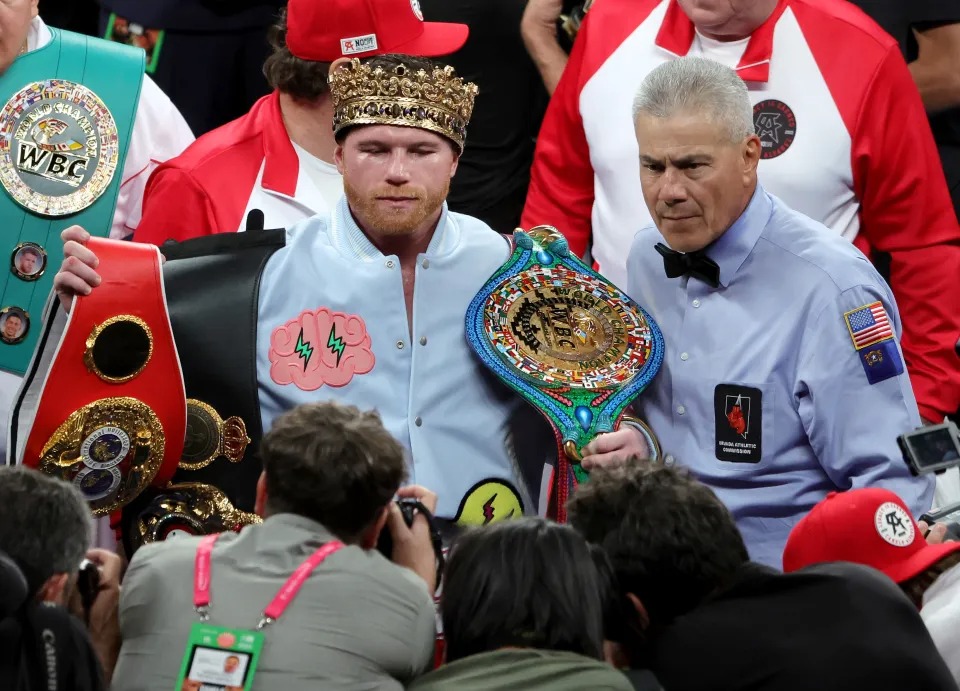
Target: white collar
<point>38,35</point>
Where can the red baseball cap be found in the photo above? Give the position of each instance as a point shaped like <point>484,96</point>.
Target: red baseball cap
<point>869,526</point>
<point>325,30</point>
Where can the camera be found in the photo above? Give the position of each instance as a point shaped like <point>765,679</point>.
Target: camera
<point>931,449</point>
<point>949,515</point>
<point>409,508</point>
<point>88,584</point>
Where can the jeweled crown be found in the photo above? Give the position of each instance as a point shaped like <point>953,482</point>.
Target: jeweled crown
<point>438,101</point>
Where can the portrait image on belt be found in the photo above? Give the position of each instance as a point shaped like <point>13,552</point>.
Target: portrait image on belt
<point>28,261</point>
<point>14,325</point>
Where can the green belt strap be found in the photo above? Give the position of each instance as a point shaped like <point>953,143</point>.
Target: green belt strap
<point>115,74</point>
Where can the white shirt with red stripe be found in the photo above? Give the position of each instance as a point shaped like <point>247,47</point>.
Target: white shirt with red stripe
<point>247,164</point>
<point>846,142</point>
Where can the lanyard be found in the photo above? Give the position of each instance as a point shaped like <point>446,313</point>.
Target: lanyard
<point>289,590</point>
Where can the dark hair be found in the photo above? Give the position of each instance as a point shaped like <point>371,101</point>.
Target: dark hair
<point>333,464</point>
<point>917,586</point>
<point>391,61</point>
<point>523,583</point>
<point>30,250</point>
<point>304,80</point>
<point>670,540</point>
<point>45,524</point>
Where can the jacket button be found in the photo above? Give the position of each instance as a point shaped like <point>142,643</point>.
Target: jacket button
<point>423,340</point>
<point>418,422</point>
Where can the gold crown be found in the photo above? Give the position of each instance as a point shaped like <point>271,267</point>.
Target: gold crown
<point>438,101</point>
<point>235,439</point>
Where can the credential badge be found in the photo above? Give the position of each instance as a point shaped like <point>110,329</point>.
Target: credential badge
<point>58,147</point>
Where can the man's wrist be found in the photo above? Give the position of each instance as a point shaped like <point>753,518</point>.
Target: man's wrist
<point>539,37</point>
<point>644,430</point>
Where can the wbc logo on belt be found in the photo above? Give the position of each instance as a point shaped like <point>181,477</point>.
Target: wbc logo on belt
<point>58,147</point>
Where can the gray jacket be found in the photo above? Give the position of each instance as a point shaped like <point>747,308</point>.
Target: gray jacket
<point>359,622</point>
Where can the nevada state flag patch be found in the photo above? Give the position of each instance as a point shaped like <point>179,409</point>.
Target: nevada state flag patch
<point>873,339</point>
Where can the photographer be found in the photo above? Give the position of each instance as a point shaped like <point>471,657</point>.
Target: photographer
<point>873,527</point>
<point>523,608</point>
<point>45,530</point>
<point>330,474</point>
<point>687,585</point>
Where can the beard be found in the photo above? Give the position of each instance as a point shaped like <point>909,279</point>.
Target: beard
<point>394,222</point>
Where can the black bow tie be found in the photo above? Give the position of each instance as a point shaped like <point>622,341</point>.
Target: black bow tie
<point>696,264</point>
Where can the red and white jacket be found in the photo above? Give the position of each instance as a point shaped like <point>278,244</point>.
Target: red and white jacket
<point>249,163</point>
<point>846,142</point>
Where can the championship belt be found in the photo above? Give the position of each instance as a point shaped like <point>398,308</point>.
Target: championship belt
<point>189,508</point>
<point>568,341</point>
<point>210,437</point>
<point>215,326</point>
<point>66,117</point>
<point>112,412</point>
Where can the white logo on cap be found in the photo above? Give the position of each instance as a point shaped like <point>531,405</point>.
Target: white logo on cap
<point>894,524</point>
<point>415,4</point>
<point>358,44</point>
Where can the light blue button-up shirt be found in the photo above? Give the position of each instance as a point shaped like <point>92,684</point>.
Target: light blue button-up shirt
<point>774,330</point>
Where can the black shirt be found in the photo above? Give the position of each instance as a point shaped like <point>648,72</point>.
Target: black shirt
<point>494,172</point>
<point>829,627</point>
<point>898,18</point>
<point>197,16</point>
<point>45,648</point>
<point>73,15</point>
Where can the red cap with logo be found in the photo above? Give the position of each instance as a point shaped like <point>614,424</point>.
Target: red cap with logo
<point>866,526</point>
<point>325,30</point>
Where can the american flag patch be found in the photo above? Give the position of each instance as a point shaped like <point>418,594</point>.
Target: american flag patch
<point>868,325</point>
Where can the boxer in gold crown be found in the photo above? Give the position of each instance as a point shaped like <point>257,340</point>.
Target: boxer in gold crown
<point>365,305</point>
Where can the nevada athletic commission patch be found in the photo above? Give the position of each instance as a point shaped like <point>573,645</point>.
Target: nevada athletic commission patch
<point>58,147</point>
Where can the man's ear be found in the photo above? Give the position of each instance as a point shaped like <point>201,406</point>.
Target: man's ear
<point>54,589</point>
<point>369,537</point>
<point>752,148</point>
<point>260,503</point>
<point>338,158</point>
<point>456,162</point>
<point>643,619</point>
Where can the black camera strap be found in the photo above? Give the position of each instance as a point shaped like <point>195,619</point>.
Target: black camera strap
<point>56,654</point>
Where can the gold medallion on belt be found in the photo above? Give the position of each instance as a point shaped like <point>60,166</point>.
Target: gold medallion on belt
<point>209,436</point>
<point>188,508</point>
<point>59,147</point>
<point>110,449</point>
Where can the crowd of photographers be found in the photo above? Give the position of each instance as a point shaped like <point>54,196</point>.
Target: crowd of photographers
<point>649,587</point>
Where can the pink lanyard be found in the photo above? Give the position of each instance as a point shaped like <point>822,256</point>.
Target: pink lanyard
<point>272,612</point>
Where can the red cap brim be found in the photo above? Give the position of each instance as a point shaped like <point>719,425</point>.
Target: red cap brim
<point>921,561</point>
<point>437,39</point>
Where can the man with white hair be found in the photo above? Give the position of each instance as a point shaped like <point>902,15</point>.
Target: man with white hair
<point>783,378</point>
<point>844,135</point>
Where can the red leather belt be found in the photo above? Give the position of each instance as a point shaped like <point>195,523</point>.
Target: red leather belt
<point>112,415</point>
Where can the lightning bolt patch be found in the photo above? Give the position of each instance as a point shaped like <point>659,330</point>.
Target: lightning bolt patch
<point>488,511</point>
<point>489,501</point>
<point>304,350</point>
<point>335,343</point>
